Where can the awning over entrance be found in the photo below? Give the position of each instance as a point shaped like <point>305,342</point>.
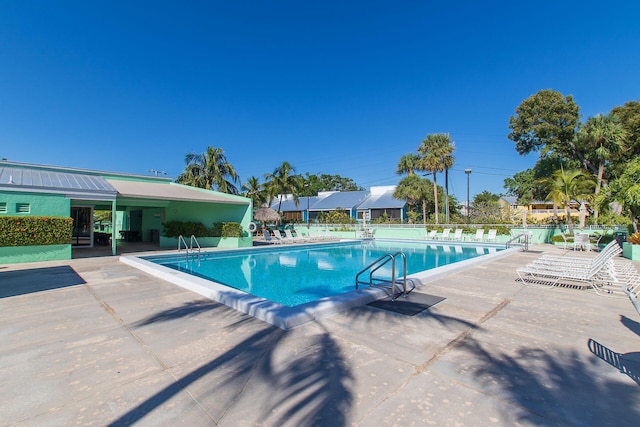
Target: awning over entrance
<point>170,191</point>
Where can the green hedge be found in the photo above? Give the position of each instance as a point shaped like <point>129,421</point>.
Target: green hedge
<point>35,230</point>
<point>189,228</point>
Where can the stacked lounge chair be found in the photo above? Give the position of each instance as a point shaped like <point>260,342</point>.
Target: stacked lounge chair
<point>597,273</point>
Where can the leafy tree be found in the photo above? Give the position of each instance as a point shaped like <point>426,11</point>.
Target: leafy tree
<point>283,181</point>
<point>565,186</point>
<point>629,116</point>
<point>209,170</point>
<point>436,151</point>
<point>415,190</point>
<point>312,184</point>
<point>546,122</point>
<point>626,191</point>
<point>408,164</point>
<point>486,208</point>
<point>337,216</point>
<point>529,185</point>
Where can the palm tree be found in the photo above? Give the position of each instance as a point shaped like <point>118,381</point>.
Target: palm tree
<point>604,137</point>
<point>254,190</point>
<point>414,190</point>
<point>209,170</point>
<point>569,185</point>
<point>436,150</point>
<point>283,181</point>
<point>408,164</point>
<point>625,190</point>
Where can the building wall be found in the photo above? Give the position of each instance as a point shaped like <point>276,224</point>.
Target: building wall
<point>39,204</point>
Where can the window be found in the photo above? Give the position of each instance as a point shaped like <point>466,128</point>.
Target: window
<point>3,207</point>
<point>23,208</point>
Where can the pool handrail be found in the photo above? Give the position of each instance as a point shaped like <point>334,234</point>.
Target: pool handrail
<point>379,263</point>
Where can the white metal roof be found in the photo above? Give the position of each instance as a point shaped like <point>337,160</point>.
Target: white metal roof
<point>73,185</point>
<point>171,191</point>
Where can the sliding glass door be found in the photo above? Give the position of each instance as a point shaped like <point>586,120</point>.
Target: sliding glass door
<point>82,225</point>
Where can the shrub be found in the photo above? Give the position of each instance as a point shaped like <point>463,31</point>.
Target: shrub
<point>231,229</point>
<point>35,230</point>
<point>185,228</point>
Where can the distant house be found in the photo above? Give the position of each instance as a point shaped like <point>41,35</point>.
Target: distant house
<point>539,210</point>
<point>139,204</point>
<point>372,204</point>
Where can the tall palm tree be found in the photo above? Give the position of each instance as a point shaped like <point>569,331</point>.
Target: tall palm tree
<point>408,164</point>
<point>283,181</point>
<point>604,137</point>
<point>209,170</point>
<point>569,185</point>
<point>436,150</point>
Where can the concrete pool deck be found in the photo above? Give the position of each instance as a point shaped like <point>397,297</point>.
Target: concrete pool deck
<point>94,341</point>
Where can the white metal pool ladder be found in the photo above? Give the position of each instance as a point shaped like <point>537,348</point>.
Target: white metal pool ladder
<point>380,262</point>
<point>188,248</point>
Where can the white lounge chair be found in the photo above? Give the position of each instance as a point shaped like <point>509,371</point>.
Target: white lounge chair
<point>432,234</point>
<point>445,234</point>
<point>457,235</point>
<point>492,235</point>
<point>280,237</point>
<point>595,272</point>
<point>612,249</point>
<point>479,234</point>
<point>297,238</point>
<point>632,289</point>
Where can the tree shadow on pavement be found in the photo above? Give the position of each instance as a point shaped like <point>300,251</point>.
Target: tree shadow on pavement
<point>311,387</point>
<point>554,388</point>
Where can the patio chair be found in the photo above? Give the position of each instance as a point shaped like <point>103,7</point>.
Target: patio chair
<point>432,234</point>
<point>492,235</point>
<point>581,241</point>
<point>445,234</point>
<point>457,235</point>
<point>280,237</point>
<point>564,238</point>
<point>268,238</point>
<point>479,234</point>
<point>297,238</point>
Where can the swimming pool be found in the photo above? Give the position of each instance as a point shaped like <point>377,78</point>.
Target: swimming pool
<point>288,285</point>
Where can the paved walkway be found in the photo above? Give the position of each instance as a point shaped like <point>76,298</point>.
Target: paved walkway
<point>95,342</point>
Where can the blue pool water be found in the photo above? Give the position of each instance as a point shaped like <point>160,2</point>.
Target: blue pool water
<point>299,274</point>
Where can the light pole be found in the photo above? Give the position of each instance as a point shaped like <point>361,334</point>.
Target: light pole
<point>308,197</point>
<point>468,172</point>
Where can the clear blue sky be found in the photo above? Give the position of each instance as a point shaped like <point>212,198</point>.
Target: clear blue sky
<point>337,87</point>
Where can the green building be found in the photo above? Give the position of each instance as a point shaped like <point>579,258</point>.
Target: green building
<point>138,207</point>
